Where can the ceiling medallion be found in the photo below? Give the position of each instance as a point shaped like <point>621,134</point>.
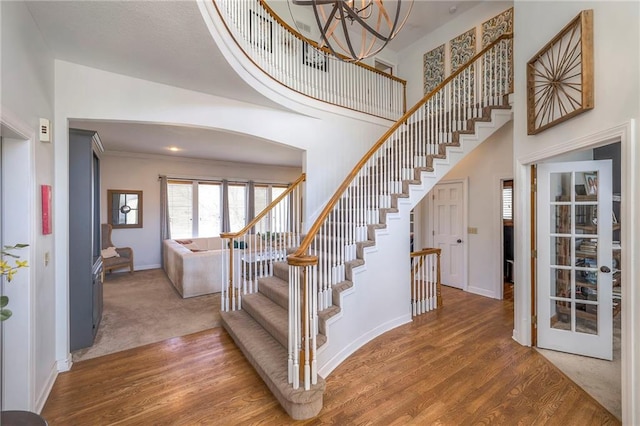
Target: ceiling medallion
<point>560,76</point>
<point>357,29</point>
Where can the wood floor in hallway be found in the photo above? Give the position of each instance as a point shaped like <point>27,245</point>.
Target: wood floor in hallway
<point>454,366</point>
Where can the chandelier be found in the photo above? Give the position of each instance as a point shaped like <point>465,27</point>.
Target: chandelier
<point>357,29</point>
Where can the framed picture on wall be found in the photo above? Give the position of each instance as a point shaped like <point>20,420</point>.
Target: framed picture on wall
<point>313,57</point>
<point>260,31</point>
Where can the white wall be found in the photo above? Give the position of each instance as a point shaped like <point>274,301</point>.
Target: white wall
<point>333,143</point>
<point>410,66</point>
<point>140,172</point>
<point>27,94</point>
<point>484,168</point>
<point>617,89</point>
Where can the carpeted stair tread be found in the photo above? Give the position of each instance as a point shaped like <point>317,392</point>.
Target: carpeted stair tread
<point>269,315</point>
<point>269,358</point>
<point>275,289</point>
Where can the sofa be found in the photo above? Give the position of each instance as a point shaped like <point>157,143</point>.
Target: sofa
<point>198,266</point>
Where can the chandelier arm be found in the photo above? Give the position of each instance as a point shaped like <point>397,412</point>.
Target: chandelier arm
<point>331,23</point>
<point>373,31</point>
<point>367,53</point>
<point>329,31</point>
<point>322,34</point>
<point>404,21</point>
<point>346,33</point>
<point>322,30</point>
<point>383,13</point>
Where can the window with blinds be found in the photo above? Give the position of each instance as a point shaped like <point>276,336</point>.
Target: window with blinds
<point>507,201</point>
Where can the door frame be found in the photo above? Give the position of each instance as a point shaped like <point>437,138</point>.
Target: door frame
<point>624,133</point>
<point>499,224</point>
<point>22,139</point>
<point>465,224</point>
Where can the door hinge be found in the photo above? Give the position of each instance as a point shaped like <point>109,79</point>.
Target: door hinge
<point>534,254</point>
<point>534,185</point>
<point>534,320</point>
<point>433,232</point>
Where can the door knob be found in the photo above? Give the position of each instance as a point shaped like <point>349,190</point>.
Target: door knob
<point>605,269</point>
<point>459,241</point>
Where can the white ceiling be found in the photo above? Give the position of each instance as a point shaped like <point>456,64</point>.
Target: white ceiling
<point>168,42</point>
<point>192,142</point>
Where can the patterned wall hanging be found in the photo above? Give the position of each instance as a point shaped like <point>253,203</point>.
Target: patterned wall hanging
<point>494,28</point>
<point>463,48</point>
<point>560,76</point>
<point>433,66</point>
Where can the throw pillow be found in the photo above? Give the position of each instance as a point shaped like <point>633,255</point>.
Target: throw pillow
<point>109,252</point>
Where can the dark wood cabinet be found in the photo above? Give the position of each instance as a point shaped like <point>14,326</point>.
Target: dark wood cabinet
<point>85,263</point>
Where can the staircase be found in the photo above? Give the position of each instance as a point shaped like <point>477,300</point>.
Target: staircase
<point>334,294</point>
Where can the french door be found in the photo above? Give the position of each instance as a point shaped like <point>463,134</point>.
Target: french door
<point>574,289</point>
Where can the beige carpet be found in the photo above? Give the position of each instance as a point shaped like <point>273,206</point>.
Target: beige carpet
<point>143,308</point>
<point>599,378</point>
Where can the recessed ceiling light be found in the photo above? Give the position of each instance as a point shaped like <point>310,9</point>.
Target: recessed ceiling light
<point>453,9</point>
<point>174,149</point>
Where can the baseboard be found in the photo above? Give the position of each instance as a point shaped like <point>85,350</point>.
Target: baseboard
<point>481,292</point>
<point>63,365</point>
<point>46,389</point>
<point>339,358</point>
<point>146,267</point>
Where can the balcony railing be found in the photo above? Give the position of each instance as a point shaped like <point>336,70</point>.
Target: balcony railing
<point>297,62</point>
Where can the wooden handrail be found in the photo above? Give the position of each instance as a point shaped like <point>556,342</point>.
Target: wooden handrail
<point>425,252</point>
<point>326,50</point>
<point>264,212</point>
<point>306,242</point>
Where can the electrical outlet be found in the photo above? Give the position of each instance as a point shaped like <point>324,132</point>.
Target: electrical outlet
<point>471,230</point>
<point>46,259</point>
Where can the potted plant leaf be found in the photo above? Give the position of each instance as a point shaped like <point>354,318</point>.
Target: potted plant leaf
<point>8,269</point>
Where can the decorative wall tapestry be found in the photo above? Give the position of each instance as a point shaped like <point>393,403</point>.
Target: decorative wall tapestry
<point>560,76</point>
<point>463,48</point>
<point>494,28</point>
<point>433,66</point>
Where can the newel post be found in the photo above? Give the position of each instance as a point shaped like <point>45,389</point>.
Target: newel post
<point>302,320</point>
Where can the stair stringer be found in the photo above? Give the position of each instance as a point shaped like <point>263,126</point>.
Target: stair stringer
<point>441,166</point>
<point>372,307</point>
<point>379,299</point>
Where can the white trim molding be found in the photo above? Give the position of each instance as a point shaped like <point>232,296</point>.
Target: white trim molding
<point>626,133</point>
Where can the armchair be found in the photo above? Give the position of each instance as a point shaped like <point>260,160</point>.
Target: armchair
<point>125,254</point>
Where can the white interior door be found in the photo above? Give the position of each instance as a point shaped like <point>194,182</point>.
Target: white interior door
<point>448,231</point>
<point>574,273</point>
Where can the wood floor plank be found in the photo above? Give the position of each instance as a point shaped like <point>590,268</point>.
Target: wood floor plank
<point>453,366</point>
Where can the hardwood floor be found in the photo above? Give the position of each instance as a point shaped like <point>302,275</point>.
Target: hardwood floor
<point>453,366</point>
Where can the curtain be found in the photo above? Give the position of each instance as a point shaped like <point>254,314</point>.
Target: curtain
<point>226,221</point>
<point>251,203</point>
<point>165,228</point>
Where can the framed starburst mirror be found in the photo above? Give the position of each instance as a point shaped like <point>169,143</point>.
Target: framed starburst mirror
<point>560,76</point>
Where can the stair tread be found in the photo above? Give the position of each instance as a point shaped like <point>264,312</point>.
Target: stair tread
<point>269,315</point>
<point>275,289</point>
<point>269,359</point>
